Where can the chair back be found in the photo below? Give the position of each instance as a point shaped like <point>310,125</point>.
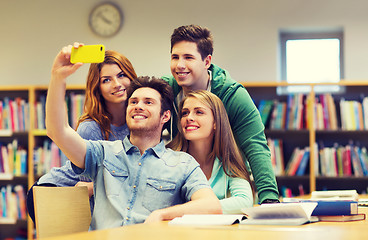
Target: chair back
<point>61,210</point>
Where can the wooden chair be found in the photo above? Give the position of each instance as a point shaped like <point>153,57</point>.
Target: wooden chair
<point>61,210</point>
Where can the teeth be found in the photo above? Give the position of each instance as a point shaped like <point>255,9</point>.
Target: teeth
<point>119,92</point>
<point>191,128</point>
<point>182,74</point>
<point>138,117</point>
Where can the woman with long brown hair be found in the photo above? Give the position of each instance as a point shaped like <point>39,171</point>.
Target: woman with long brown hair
<point>205,133</point>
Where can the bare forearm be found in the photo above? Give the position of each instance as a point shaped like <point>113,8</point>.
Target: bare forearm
<point>201,206</point>
<point>204,202</point>
<point>58,129</point>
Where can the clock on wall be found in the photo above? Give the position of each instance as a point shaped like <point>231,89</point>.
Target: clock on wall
<point>106,19</point>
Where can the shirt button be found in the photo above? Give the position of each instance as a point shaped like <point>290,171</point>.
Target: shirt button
<point>139,164</point>
<point>128,208</point>
<point>113,171</point>
<point>134,186</point>
<point>160,187</point>
<point>127,218</point>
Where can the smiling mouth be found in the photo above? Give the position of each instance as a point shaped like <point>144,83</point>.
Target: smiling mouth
<point>139,117</point>
<point>182,74</point>
<point>119,92</point>
<point>191,128</point>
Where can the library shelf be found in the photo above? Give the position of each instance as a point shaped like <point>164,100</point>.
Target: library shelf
<point>27,137</point>
<point>310,136</point>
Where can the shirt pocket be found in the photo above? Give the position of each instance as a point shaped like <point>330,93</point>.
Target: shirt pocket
<point>159,194</point>
<point>114,178</point>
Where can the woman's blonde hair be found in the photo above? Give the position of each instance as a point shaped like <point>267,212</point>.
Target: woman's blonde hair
<point>224,144</point>
<point>94,104</point>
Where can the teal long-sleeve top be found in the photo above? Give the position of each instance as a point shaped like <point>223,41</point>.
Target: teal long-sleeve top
<point>234,193</point>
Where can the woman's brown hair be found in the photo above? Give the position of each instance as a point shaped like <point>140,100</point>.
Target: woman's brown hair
<point>94,104</point>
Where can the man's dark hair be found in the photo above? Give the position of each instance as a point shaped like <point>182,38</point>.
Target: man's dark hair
<point>197,34</point>
<point>159,85</point>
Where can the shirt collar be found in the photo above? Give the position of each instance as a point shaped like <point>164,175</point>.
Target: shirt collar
<point>159,149</point>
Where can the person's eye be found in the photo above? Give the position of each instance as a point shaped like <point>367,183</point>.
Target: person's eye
<point>105,80</point>
<point>189,57</point>
<point>199,112</point>
<point>121,75</point>
<point>174,57</point>
<point>132,102</point>
<point>149,102</point>
<point>184,113</point>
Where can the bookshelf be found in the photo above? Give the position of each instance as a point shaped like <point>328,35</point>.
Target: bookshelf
<point>28,138</point>
<point>33,137</point>
<point>312,134</point>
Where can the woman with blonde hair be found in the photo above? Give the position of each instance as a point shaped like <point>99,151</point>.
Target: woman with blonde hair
<point>205,133</point>
<point>103,117</point>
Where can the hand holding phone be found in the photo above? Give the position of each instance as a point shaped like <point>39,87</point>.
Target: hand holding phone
<point>88,54</point>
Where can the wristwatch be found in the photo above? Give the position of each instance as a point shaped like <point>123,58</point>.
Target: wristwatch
<point>271,201</point>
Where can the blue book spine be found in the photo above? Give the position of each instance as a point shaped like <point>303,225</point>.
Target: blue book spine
<point>335,208</point>
<point>362,162</point>
<point>303,163</point>
<point>3,199</point>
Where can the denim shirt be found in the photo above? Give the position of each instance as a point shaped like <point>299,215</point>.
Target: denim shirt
<point>128,186</point>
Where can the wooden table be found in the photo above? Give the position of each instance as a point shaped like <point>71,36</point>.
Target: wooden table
<point>163,231</point>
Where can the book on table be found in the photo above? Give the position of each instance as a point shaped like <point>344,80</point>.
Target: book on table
<point>265,214</point>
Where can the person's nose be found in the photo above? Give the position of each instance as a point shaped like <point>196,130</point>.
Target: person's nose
<point>139,106</point>
<point>116,82</point>
<point>180,63</point>
<point>190,117</point>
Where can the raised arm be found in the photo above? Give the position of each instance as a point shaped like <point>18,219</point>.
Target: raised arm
<point>58,129</point>
<point>203,201</point>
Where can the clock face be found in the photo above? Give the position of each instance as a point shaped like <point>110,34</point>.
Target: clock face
<point>106,20</point>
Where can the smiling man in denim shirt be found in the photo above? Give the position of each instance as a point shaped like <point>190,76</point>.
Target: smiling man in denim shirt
<point>135,180</point>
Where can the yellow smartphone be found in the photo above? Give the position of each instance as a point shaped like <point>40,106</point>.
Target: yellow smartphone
<point>88,54</point>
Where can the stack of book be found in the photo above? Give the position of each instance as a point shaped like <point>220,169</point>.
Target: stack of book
<point>14,114</point>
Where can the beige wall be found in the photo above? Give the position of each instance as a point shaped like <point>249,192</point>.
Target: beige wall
<point>245,33</point>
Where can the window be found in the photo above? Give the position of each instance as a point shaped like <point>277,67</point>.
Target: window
<point>310,57</point>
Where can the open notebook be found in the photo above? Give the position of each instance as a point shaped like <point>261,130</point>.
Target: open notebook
<point>266,214</point>
<point>280,214</point>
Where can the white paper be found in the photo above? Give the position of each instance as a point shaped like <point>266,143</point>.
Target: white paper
<point>207,219</point>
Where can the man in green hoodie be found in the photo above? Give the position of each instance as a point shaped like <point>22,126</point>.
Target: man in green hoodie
<point>192,69</point>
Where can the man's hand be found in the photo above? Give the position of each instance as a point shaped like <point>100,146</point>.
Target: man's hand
<point>155,216</point>
<point>62,67</point>
<point>89,186</point>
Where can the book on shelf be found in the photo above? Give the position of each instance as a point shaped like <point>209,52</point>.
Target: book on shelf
<point>277,156</point>
<point>12,202</point>
<point>46,157</point>
<point>297,157</point>
<point>265,109</point>
<point>365,112</point>
<point>14,114</point>
<point>303,163</point>
<point>338,160</point>
<point>13,159</point>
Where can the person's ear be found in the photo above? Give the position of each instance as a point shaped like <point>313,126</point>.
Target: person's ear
<point>208,61</point>
<point>166,116</point>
